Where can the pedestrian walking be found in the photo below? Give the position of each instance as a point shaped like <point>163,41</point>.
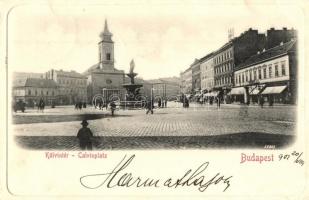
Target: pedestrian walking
<point>149,107</point>
<point>113,107</point>
<point>271,101</point>
<point>159,103</point>
<point>218,102</point>
<point>85,136</point>
<point>165,103</point>
<point>261,101</point>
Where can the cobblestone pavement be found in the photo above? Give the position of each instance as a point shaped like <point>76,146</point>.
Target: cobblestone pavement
<point>168,127</point>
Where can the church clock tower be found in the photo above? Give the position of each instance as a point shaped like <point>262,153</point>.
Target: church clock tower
<point>106,49</point>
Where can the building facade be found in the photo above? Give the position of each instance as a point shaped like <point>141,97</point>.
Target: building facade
<point>104,75</point>
<point>72,86</point>
<point>166,88</point>
<point>207,73</point>
<point>223,67</point>
<point>196,76</point>
<point>230,55</point>
<point>270,74</point>
<point>31,90</point>
<point>186,81</point>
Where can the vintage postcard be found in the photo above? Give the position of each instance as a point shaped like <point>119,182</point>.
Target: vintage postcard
<point>154,99</point>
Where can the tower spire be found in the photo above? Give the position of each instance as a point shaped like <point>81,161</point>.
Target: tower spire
<point>106,31</point>
<point>106,35</point>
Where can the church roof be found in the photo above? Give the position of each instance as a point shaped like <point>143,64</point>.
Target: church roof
<point>92,68</point>
<point>96,68</point>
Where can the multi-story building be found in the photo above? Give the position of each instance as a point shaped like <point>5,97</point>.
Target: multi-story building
<point>32,90</point>
<point>72,86</point>
<point>232,54</point>
<point>223,67</point>
<point>166,88</point>
<point>207,73</point>
<point>182,83</point>
<point>271,74</point>
<point>196,76</point>
<point>186,81</point>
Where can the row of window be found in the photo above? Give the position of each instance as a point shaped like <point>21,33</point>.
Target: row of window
<point>223,57</point>
<point>207,84</point>
<point>262,72</point>
<point>72,81</point>
<point>52,93</point>
<point>224,80</point>
<point>224,68</point>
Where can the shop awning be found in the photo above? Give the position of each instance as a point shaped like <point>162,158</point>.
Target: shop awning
<point>255,91</point>
<point>237,91</point>
<point>274,90</point>
<point>211,94</point>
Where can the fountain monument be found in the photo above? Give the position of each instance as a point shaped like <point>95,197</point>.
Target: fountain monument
<point>133,89</point>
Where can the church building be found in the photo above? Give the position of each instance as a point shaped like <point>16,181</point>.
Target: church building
<point>103,78</point>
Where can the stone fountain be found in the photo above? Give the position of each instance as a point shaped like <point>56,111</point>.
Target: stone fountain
<point>133,89</point>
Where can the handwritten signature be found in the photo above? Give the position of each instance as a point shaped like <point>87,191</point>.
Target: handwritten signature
<point>118,177</point>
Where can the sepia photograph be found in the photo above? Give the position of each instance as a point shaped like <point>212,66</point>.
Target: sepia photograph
<point>83,79</point>
<point>148,99</point>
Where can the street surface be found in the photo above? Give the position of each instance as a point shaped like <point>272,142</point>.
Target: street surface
<point>172,127</point>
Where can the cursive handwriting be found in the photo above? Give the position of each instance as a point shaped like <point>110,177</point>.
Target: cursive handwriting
<point>118,177</point>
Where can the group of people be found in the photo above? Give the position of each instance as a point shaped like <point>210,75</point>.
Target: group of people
<point>112,106</point>
<point>162,103</point>
<point>270,101</point>
<point>186,100</point>
<point>80,105</point>
<point>41,105</point>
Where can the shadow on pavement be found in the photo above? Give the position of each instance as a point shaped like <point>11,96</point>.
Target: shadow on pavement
<point>228,141</point>
<point>20,119</point>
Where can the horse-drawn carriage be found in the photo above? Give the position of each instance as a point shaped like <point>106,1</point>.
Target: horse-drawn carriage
<point>19,105</point>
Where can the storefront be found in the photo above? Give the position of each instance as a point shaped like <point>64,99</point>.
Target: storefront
<point>237,94</point>
<point>276,94</point>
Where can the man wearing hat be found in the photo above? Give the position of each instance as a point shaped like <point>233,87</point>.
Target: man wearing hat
<point>84,135</point>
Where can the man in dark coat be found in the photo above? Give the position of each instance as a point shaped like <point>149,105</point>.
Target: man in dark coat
<point>113,107</point>
<point>85,135</point>
<point>149,107</point>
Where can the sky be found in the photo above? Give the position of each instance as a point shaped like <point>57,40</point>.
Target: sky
<point>163,39</point>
